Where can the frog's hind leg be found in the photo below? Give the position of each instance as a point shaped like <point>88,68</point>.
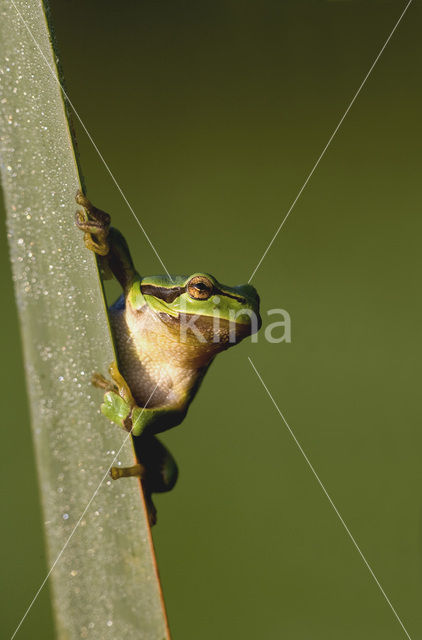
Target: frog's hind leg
<point>137,471</point>
<point>160,467</point>
<point>156,469</point>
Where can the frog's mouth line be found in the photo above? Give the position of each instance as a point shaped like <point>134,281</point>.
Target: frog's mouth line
<point>170,294</point>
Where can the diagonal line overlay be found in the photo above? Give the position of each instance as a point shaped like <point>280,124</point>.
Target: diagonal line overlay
<point>109,171</point>
<point>80,519</point>
<point>329,141</point>
<point>327,495</point>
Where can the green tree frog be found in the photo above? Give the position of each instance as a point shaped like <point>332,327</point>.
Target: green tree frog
<point>167,331</point>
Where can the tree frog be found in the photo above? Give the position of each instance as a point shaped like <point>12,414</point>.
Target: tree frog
<point>167,331</point>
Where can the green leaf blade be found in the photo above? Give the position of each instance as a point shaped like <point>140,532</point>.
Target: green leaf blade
<point>105,582</point>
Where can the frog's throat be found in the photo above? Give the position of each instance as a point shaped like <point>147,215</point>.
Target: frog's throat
<point>206,333</point>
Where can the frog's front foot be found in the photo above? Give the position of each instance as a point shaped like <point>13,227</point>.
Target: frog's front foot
<point>95,224</point>
<point>119,405</point>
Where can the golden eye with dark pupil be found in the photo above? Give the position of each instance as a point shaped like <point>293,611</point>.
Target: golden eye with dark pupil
<point>200,288</point>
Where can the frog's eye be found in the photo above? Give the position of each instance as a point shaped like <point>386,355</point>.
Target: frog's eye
<point>200,288</point>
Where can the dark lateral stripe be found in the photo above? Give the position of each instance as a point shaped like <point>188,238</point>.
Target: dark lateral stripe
<point>168,295</point>
<point>228,295</point>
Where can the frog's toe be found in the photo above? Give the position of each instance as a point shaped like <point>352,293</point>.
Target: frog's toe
<point>94,223</point>
<point>121,384</point>
<point>95,235</point>
<point>116,409</point>
<point>80,220</point>
<point>137,420</point>
<point>83,200</point>
<point>87,225</point>
<point>100,382</point>
<point>95,216</point>
<point>115,473</point>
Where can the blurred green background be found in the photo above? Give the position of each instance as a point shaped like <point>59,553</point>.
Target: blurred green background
<point>211,115</point>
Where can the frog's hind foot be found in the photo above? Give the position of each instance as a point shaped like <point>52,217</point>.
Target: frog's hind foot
<point>95,224</point>
<point>137,471</point>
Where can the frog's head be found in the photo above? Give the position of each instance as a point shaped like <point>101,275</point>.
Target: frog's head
<point>201,309</point>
